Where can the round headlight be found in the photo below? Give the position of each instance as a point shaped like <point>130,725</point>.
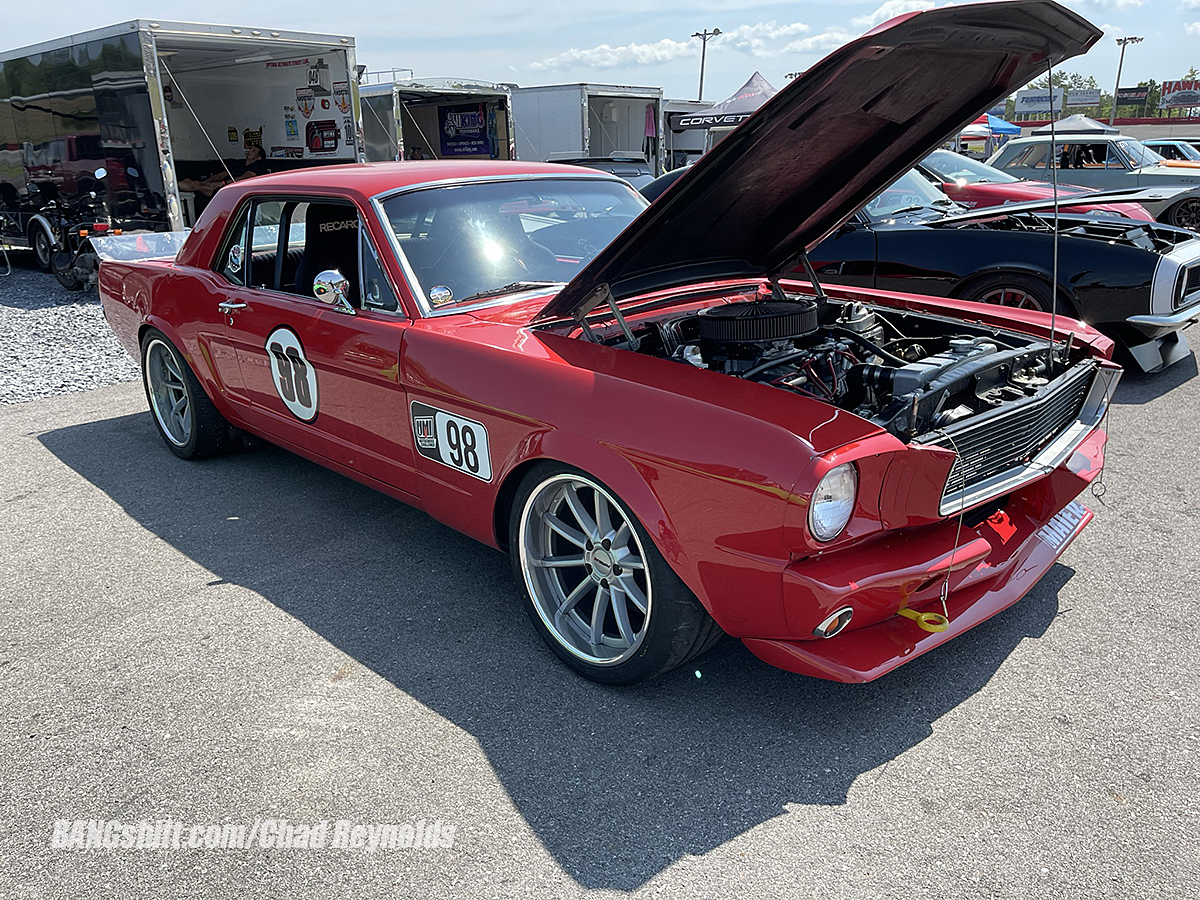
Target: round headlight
<point>833,502</point>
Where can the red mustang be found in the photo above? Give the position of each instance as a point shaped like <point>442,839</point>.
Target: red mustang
<point>672,441</point>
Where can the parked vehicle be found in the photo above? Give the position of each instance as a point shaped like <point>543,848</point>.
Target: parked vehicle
<point>1173,149</point>
<point>977,185</point>
<point>439,118</point>
<point>1106,160</point>
<point>680,440</point>
<point>173,102</point>
<point>1136,281</point>
<point>629,167</point>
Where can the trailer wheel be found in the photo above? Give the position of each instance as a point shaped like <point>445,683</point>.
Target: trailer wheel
<point>43,247</point>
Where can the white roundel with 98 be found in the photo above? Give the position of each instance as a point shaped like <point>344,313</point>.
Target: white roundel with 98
<point>295,378</point>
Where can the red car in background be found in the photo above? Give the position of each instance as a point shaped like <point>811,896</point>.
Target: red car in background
<point>976,185</point>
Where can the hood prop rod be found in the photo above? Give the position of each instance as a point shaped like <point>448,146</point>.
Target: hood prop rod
<point>1054,161</point>
<point>602,293</point>
<point>809,272</point>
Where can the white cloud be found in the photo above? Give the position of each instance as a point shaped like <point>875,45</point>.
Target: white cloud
<point>1193,28</point>
<point>891,9</point>
<point>823,42</point>
<point>761,40</point>
<point>606,57</point>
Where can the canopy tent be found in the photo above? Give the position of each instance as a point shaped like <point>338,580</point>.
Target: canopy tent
<point>1077,124</point>
<point>988,125</point>
<point>741,106</point>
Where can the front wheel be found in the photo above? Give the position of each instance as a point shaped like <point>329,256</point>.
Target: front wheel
<point>1186,214</point>
<point>186,419</point>
<point>596,588</point>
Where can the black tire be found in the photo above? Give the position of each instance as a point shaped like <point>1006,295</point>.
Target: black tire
<point>1185,214</point>
<point>64,271</point>
<point>675,627</point>
<point>1025,291</point>
<point>43,247</point>
<point>208,433</point>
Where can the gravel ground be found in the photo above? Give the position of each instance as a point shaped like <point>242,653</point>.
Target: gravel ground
<point>53,341</point>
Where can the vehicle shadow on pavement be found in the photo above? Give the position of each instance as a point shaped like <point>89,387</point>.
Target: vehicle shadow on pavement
<point>617,783</point>
<point>1137,388</point>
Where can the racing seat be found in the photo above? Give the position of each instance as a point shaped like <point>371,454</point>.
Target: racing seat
<point>330,242</point>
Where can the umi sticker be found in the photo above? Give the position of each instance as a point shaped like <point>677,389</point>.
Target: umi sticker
<point>294,376</point>
<point>452,440</point>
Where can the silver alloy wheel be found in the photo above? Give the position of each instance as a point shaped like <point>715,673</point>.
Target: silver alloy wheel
<point>168,392</point>
<point>585,569</point>
<point>1187,214</point>
<point>1010,296</point>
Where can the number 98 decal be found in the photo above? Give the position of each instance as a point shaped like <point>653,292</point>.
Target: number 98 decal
<point>452,440</point>
<point>294,377</point>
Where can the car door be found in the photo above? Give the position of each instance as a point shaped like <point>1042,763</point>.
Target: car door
<point>1093,164</point>
<point>322,376</point>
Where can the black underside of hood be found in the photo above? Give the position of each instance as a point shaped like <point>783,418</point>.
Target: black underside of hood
<point>826,144</point>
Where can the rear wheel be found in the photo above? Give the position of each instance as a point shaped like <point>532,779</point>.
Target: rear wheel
<point>1015,290</point>
<point>596,588</point>
<point>189,424</point>
<point>64,271</point>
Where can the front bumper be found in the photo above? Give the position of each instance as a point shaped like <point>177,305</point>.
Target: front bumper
<point>988,568</point>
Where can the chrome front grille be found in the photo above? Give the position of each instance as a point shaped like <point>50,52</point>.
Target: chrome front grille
<point>1004,447</point>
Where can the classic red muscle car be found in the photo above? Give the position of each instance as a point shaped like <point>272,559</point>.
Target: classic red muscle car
<point>672,441</point>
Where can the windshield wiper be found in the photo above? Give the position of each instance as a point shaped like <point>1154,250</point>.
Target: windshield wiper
<point>508,289</point>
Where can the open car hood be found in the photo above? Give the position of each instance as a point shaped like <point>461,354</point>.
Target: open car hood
<point>826,144</point>
<point>1067,203</point>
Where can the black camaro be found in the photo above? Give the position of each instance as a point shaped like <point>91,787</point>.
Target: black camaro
<point>1137,281</point>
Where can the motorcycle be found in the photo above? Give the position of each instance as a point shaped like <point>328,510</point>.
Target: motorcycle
<point>74,262</point>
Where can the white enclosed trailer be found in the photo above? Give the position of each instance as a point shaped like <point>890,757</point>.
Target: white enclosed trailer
<point>436,118</point>
<point>589,120</point>
<point>155,103</point>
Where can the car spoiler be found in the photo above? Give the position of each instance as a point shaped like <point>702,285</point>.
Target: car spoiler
<point>140,246</point>
<point>1124,195</point>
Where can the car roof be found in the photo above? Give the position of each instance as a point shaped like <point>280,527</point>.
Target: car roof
<point>365,180</point>
<point>1071,137</point>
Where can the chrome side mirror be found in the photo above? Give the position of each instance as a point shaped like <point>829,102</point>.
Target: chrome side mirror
<point>331,287</point>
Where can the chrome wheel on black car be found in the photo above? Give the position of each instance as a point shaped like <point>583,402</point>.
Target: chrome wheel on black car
<point>1186,214</point>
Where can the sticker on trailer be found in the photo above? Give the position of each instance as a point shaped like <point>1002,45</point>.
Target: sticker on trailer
<point>451,440</point>
<point>294,376</point>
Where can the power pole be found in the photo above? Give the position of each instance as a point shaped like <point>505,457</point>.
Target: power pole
<point>704,36</point>
<point>1112,114</point>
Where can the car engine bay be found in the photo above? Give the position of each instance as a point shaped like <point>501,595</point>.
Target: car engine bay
<point>910,373</point>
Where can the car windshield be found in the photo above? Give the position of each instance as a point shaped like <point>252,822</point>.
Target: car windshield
<point>468,244</point>
<point>1138,153</point>
<point>1183,149</point>
<point>954,167</point>
<point>908,193</point>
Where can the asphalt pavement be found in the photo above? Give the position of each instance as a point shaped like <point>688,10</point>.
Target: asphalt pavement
<point>255,638</point>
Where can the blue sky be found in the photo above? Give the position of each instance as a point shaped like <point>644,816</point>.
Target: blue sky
<point>619,41</point>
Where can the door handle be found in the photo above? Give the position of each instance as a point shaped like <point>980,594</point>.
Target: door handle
<point>230,305</point>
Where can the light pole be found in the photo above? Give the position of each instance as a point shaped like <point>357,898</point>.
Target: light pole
<point>1112,114</point>
<point>704,38</point>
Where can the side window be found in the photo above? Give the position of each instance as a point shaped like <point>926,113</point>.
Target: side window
<point>231,262</point>
<point>264,242</point>
<point>1030,157</point>
<point>376,289</point>
<point>330,241</point>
